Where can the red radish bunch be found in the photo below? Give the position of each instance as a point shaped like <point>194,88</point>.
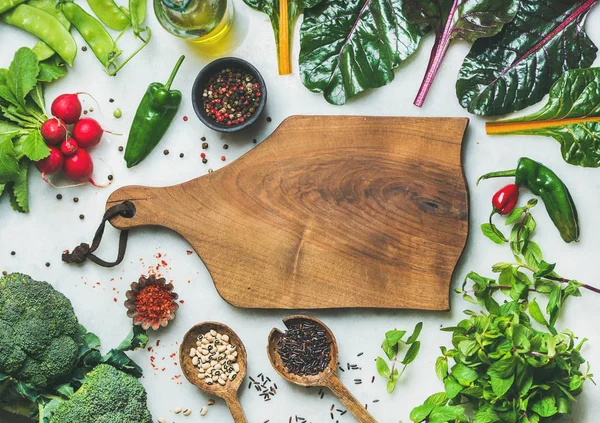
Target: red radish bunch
<point>71,156</point>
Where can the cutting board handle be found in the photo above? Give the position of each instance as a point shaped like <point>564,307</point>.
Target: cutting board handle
<point>151,207</point>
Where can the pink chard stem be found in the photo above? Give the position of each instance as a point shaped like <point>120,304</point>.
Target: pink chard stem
<point>437,56</point>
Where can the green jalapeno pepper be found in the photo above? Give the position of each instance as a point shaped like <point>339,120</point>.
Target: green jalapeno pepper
<point>152,119</point>
<point>544,183</point>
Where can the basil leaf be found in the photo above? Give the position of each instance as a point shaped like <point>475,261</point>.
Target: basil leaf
<point>571,116</point>
<point>466,20</point>
<point>516,68</point>
<point>382,367</point>
<point>283,36</point>
<point>349,46</point>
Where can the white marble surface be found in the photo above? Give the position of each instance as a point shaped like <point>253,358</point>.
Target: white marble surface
<point>53,225</point>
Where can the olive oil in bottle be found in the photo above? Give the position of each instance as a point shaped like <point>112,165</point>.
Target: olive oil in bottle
<point>201,21</point>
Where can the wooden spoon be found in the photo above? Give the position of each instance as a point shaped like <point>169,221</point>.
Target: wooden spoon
<point>230,390</point>
<point>327,378</point>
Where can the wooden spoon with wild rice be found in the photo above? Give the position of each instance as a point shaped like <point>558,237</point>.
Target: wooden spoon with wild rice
<point>307,354</point>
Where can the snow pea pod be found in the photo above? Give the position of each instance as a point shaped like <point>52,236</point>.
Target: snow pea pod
<point>9,4</point>
<point>93,32</point>
<point>110,14</point>
<point>41,49</point>
<point>44,26</point>
<point>137,9</point>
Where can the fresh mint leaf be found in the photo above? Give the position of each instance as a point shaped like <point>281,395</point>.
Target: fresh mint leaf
<point>502,368</point>
<point>35,147</point>
<point>486,414</point>
<point>463,374</point>
<point>536,313</point>
<point>391,386</point>
<point>545,407</point>
<point>412,352</point>
<point>443,414</point>
<point>382,367</point>
<point>452,387</point>
<point>394,336</point>
<point>437,399</point>
<point>514,215</point>
<point>532,252</point>
<point>420,413</point>
<point>500,386</point>
<point>416,332</point>
<point>389,350</point>
<point>493,233</point>
<point>441,368</point>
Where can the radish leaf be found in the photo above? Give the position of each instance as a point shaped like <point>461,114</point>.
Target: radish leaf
<point>349,46</point>
<point>517,67</point>
<point>463,19</point>
<point>571,116</point>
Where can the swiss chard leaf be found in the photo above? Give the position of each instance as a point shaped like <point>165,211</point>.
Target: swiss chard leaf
<point>571,116</point>
<point>516,68</point>
<point>462,19</point>
<point>283,28</point>
<point>349,46</point>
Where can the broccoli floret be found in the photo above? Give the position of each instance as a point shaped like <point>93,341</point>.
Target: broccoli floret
<point>107,395</point>
<point>39,332</point>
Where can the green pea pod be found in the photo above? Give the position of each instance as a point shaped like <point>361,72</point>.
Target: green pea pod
<point>44,26</point>
<point>137,9</point>
<point>93,32</point>
<point>9,4</point>
<point>41,49</point>
<point>543,182</point>
<point>152,119</point>
<point>110,14</point>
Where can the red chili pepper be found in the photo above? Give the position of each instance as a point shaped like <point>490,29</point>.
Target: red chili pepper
<point>505,200</point>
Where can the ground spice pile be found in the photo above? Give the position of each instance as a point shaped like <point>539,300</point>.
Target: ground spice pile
<point>231,96</point>
<point>151,302</point>
<point>305,349</point>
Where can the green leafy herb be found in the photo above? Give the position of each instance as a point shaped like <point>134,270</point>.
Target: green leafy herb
<point>516,68</point>
<point>22,112</point>
<point>283,15</point>
<point>349,46</point>
<point>504,368</point>
<point>571,116</point>
<point>450,19</point>
<point>392,344</point>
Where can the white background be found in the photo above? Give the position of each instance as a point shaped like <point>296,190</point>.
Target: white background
<point>53,225</point>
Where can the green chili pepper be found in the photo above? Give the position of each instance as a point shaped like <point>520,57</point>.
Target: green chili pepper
<point>9,4</point>
<point>44,26</point>
<point>152,119</point>
<point>110,14</point>
<point>543,182</point>
<point>93,32</point>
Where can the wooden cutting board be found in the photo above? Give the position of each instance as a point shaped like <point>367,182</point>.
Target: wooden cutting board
<point>327,212</point>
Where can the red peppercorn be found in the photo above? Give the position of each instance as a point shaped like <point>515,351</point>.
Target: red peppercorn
<point>505,200</point>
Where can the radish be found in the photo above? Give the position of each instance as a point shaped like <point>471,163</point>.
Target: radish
<point>69,147</point>
<point>87,132</point>
<point>67,107</point>
<point>79,167</point>
<point>51,164</point>
<point>54,131</point>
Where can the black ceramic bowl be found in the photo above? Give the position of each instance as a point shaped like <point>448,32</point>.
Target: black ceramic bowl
<point>210,70</point>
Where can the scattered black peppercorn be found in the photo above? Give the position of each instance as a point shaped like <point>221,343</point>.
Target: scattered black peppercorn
<point>81,217</point>
<point>120,148</point>
<point>12,253</point>
<point>254,141</point>
<point>59,196</point>
<point>76,200</point>
<point>85,112</point>
<point>203,139</point>
<point>204,160</point>
<point>204,145</point>
<point>84,48</point>
<point>111,100</point>
<point>231,96</point>
<point>225,146</point>
<point>166,152</point>
<point>181,155</point>
<point>47,264</point>
<point>269,119</point>
<point>110,177</point>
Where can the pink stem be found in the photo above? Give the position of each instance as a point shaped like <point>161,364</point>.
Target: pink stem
<point>437,57</point>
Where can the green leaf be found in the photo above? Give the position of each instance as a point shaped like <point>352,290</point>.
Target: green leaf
<point>486,414</point>
<point>501,386</point>
<point>415,335</point>
<point>450,19</point>
<point>514,215</point>
<point>441,367</point>
<point>394,336</point>
<point>437,399</point>
<point>272,9</point>
<point>137,338</point>
<point>50,72</point>
<point>9,163</point>
<point>442,414</point>
<point>493,233</point>
<point>545,407</point>
<point>452,387</point>
<point>420,413</point>
<point>532,254</point>
<point>391,385</point>
<point>22,75</point>
<point>35,147</point>
<point>463,374</point>
<point>19,193</point>
<point>571,117</point>
<point>520,336</point>
<point>544,269</point>
<point>412,352</point>
<point>515,69</point>
<point>536,313</point>
<point>502,368</point>
<point>349,46</point>
<point>5,92</point>
<point>382,367</point>
<point>390,350</point>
